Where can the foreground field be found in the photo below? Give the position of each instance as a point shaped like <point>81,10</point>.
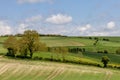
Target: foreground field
<point>12,69</point>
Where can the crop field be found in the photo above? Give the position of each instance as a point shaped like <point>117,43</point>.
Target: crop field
<point>13,69</point>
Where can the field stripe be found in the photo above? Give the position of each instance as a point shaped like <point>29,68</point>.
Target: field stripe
<point>42,71</point>
<point>56,72</point>
<point>26,72</point>
<point>14,71</point>
<point>4,69</point>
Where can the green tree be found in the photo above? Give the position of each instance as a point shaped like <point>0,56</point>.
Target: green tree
<point>63,51</point>
<point>31,42</point>
<point>11,44</point>
<point>23,47</point>
<point>105,60</point>
<point>55,50</point>
<point>118,51</point>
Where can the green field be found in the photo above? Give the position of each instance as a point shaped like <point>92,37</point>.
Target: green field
<point>85,42</point>
<point>13,69</point>
<point>17,69</point>
<point>81,42</point>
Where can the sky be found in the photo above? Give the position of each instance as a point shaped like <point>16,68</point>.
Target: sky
<point>65,17</point>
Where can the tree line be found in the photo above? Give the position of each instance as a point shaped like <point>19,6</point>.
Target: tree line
<point>29,43</point>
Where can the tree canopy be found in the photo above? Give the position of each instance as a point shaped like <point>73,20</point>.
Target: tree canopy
<point>28,43</point>
<point>105,60</point>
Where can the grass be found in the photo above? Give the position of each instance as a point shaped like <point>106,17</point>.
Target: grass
<point>17,69</point>
<point>97,56</point>
<point>111,46</point>
<point>12,69</point>
<point>69,56</point>
<point>82,42</point>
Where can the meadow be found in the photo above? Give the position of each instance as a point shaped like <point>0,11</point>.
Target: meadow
<point>26,69</point>
<point>84,42</point>
<point>81,42</point>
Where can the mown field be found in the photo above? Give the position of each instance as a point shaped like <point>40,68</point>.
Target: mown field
<point>15,69</point>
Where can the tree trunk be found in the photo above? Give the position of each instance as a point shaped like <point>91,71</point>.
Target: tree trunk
<point>105,65</point>
<point>31,53</point>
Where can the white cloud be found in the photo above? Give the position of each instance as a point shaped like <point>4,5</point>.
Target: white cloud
<point>22,27</point>
<point>59,19</point>
<point>5,28</point>
<point>34,19</point>
<point>111,25</point>
<point>84,28</point>
<point>33,1</point>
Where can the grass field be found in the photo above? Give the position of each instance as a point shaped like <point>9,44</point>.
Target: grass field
<point>17,69</point>
<point>13,69</point>
<point>85,42</point>
<point>82,42</point>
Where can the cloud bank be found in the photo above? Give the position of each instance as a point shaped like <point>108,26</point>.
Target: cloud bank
<point>58,24</point>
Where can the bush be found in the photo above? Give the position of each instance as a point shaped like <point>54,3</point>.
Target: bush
<point>99,51</point>
<point>37,58</point>
<point>118,51</point>
<point>105,51</point>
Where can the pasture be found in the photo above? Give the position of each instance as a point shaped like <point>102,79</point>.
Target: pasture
<point>84,42</point>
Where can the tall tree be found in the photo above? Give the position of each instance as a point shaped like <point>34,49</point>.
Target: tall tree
<point>11,44</point>
<point>105,60</point>
<point>31,41</point>
<point>23,47</point>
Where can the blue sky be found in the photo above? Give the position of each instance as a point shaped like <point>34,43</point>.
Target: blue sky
<point>66,17</point>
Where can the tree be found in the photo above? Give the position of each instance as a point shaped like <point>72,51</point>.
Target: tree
<point>11,44</point>
<point>23,48</point>
<point>96,41</point>
<point>31,42</point>
<point>105,60</point>
<point>56,51</point>
<point>118,51</point>
<point>63,51</point>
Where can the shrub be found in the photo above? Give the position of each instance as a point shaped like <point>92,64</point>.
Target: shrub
<point>105,51</point>
<point>118,51</point>
<point>99,51</point>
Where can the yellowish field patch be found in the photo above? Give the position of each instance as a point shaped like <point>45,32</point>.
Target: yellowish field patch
<point>11,69</point>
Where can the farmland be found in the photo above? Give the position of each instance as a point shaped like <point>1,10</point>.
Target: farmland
<point>45,70</point>
<point>15,69</point>
<point>81,42</point>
